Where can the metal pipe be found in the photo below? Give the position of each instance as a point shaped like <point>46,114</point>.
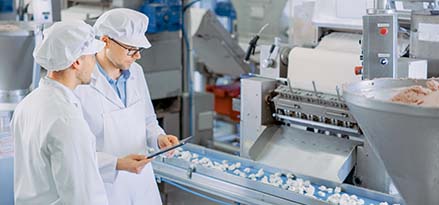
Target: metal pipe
<point>20,10</point>
<point>225,147</point>
<point>322,126</point>
<point>379,4</point>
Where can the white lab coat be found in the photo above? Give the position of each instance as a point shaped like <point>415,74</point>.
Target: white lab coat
<point>121,131</point>
<point>55,159</point>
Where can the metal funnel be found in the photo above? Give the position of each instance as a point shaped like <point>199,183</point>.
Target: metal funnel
<point>405,137</point>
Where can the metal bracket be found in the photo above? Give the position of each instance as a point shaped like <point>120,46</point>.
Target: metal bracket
<point>190,170</point>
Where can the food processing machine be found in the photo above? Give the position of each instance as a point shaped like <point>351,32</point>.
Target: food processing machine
<point>320,133</point>
<point>405,137</point>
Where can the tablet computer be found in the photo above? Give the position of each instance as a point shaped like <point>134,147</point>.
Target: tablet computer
<point>182,142</point>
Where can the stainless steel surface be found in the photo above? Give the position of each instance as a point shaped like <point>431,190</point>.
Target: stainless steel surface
<point>262,141</point>
<point>381,4</point>
<point>314,109</point>
<point>305,152</point>
<point>12,96</point>
<point>202,102</point>
<point>162,65</point>
<point>56,10</point>
<point>412,68</point>
<point>270,63</point>
<point>217,187</point>
<point>297,108</point>
<point>225,147</point>
<point>215,47</point>
<point>424,41</point>
<point>164,54</point>
<point>318,125</point>
<point>164,84</point>
<point>405,137</point>
<point>305,33</point>
<point>370,171</point>
<point>255,112</point>
<point>243,190</point>
<point>170,121</point>
<point>379,45</point>
<point>16,46</point>
<point>20,10</point>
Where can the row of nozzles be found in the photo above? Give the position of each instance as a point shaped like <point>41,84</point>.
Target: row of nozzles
<point>316,118</point>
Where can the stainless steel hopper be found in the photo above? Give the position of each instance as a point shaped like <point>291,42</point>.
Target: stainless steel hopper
<point>406,137</point>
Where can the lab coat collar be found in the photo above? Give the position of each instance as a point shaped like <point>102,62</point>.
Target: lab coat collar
<point>100,83</point>
<point>125,74</point>
<point>66,92</point>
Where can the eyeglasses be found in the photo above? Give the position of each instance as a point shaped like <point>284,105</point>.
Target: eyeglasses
<point>131,51</point>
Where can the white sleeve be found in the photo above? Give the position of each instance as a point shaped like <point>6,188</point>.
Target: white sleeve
<point>74,163</point>
<point>107,166</point>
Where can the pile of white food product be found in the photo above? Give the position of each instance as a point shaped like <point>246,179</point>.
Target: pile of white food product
<point>292,183</point>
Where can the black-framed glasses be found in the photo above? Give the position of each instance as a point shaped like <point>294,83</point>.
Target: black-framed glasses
<point>131,51</point>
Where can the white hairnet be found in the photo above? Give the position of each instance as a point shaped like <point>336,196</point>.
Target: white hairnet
<point>65,42</point>
<point>124,25</point>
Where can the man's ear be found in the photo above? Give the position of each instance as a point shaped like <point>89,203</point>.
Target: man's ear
<point>76,64</point>
<point>106,40</point>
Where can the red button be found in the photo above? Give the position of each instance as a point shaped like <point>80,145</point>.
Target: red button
<point>358,70</point>
<point>384,31</point>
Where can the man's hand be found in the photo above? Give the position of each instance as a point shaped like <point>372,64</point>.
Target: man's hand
<point>133,163</point>
<point>165,141</point>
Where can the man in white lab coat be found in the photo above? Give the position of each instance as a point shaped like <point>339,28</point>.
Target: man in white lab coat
<point>117,105</point>
<point>55,157</point>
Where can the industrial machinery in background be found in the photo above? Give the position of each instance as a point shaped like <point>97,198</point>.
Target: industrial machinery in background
<point>308,102</point>
<point>286,125</point>
<point>162,63</point>
<point>21,26</point>
<point>293,116</point>
<point>220,77</point>
<point>417,184</point>
<point>254,14</point>
<point>218,55</point>
<point>180,110</point>
<point>380,47</point>
<point>164,15</point>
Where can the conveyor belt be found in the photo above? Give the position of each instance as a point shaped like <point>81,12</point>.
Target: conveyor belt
<point>228,185</point>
